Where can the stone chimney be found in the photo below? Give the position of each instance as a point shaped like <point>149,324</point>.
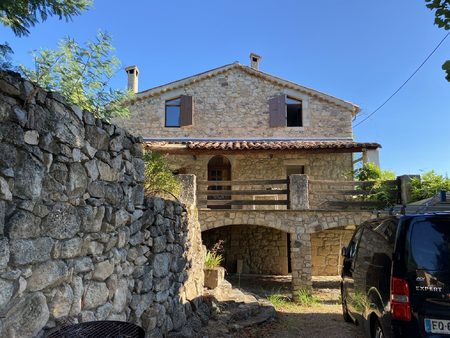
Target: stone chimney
<point>133,74</point>
<point>254,61</point>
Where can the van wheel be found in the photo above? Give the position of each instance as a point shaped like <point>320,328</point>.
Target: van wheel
<point>377,331</point>
<point>345,314</point>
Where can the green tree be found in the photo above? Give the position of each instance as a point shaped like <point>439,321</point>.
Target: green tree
<point>428,185</point>
<point>442,20</point>
<point>381,190</point>
<point>81,74</point>
<point>20,15</point>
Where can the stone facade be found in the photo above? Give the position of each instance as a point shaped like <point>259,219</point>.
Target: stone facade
<point>300,224</point>
<point>234,104</point>
<point>326,249</point>
<point>262,250</point>
<point>78,240</point>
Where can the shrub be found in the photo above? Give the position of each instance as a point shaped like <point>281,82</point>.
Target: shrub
<point>428,185</point>
<point>380,190</point>
<point>159,180</point>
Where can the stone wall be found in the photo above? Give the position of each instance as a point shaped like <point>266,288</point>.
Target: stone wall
<point>326,251</point>
<point>262,250</point>
<point>78,240</point>
<point>235,105</point>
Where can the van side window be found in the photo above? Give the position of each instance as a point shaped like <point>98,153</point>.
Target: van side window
<point>353,245</point>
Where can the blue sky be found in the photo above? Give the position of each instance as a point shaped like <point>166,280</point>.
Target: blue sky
<point>360,51</point>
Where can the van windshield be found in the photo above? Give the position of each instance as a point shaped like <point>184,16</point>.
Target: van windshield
<point>430,244</point>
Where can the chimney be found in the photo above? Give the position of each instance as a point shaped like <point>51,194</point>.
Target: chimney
<point>133,73</point>
<point>254,60</point>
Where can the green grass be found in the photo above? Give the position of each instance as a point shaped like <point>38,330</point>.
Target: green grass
<point>304,297</point>
<point>279,301</point>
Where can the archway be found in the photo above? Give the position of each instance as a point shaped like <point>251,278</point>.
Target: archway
<point>251,249</point>
<point>219,169</point>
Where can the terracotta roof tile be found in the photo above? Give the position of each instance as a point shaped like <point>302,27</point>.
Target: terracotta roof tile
<point>262,145</point>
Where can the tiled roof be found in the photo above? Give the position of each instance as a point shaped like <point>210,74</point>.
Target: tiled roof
<point>261,145</point>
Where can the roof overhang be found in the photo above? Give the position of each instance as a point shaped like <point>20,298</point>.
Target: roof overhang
<point>255,146</point>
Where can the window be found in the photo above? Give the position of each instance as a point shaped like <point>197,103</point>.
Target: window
<point>293,112</point>
<point>173,111</point>
<point>285,111</point>
<point>179,112</point>
<point>295,170</point>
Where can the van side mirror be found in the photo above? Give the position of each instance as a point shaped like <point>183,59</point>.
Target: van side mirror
<point>344,252</point>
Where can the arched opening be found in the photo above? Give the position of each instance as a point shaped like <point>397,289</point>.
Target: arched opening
<point>251,249</point>
<point>219,169</point>
<point>326,248</point>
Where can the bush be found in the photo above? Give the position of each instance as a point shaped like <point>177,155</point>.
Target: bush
<point>380,190</point>
<point>159,180</point>
<point>428,185</point>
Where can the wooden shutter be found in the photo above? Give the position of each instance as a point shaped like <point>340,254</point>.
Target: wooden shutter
<point>186,110</point>
<point>277,111</point>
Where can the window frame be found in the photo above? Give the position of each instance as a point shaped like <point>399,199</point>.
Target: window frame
<point>301,119</point>
<point>172,105</point>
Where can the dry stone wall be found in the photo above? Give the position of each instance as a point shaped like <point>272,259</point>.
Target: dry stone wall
<point>78,239</point>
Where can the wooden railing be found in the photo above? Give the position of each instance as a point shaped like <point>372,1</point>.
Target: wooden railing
<point>351,195</point>
<point>248,194</point>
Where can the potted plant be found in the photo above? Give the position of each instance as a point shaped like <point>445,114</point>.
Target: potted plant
<point>214,273</point>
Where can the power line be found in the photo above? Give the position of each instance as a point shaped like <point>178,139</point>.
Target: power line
<point>404,83</point>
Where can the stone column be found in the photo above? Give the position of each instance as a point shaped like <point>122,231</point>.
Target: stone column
<point>301,262</point>
<point>188,194</point>
<point>405,187</point>
<point>298,192</point>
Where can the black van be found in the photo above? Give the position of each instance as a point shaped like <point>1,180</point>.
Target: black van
<point>396,276</point>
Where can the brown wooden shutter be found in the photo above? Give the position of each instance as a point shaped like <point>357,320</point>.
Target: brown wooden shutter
<point>277,111</point>
<point>186,110</point>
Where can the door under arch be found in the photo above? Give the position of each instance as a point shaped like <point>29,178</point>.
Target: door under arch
<point>219,169</point>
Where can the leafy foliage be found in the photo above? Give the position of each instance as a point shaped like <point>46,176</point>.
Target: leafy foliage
<point>214,258</point>
<point>5,56</point>
<point>20,15</point>
<point>158,177</point>
<point>428,185</point>
<point>380,190</point>
<point>81,74</point>
<point>442,20</point>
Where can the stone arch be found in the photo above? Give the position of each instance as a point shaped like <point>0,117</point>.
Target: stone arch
<point>252,248</point>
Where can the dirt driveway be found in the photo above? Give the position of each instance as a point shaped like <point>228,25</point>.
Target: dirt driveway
<point>322,319</point>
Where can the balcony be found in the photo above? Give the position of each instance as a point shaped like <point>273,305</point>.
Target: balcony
<point>297,192</point>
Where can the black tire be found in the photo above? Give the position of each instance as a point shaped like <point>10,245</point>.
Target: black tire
<point>345,313</point>
<point>377,330</point>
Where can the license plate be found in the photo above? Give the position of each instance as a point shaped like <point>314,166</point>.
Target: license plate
<point>437,326</point>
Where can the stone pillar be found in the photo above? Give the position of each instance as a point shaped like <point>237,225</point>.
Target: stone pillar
<point>298,192</point>
<point>405,187</point>
<point>301,262</point>
<point>188,194</point>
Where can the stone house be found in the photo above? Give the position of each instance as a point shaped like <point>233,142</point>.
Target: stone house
<point>264,151</point>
